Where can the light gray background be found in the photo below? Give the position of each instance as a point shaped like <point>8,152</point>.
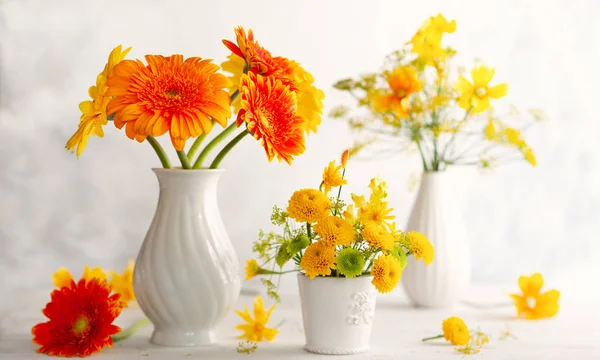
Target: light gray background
<point>57,211</point>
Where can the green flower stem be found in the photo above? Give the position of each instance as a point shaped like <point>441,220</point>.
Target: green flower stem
<point>164,159</point>
<point>201,138</point>
<point>192,152</point>
<point>185,163</point>
<point>214,142</point>
<point>211,145</point>
<point>271,272</point>
<point>308,227</point>
<point>230,145</point>
<point>131,330</point>
<point>433,338</point>
<point>422,156</point>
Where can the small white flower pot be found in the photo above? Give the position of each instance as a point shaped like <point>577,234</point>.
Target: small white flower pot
<point>337,313</point>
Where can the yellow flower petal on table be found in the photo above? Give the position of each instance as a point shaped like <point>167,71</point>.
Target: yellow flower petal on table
<point>255,329</point>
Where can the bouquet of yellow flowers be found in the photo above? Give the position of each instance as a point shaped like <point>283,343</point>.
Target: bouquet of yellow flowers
<point>274,99</point>
<point>323,236</point>
<point>417,99</point>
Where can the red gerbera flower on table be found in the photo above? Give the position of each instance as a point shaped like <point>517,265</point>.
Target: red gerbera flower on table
<point>81,319</point>
<point>268,107</point>
<point>168,94</point>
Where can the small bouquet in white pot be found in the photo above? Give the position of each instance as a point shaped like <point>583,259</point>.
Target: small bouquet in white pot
<point>343,254</point>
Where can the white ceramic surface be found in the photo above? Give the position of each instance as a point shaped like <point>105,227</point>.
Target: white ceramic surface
<point>186,274</point>
<point>437,215</point>
<point>337,313</point>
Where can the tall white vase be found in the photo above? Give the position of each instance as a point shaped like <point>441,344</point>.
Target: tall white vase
<point>436,213</point>
<point>186,274</point>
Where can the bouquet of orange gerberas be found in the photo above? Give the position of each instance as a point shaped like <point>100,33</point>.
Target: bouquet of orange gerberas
<point>273,97</point>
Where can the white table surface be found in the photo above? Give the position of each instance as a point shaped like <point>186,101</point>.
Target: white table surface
<point>574,334</point>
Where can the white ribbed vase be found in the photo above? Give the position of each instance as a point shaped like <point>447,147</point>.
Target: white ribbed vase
<point>436,214</point>
<point>337,313</point>
<point>186,274</point>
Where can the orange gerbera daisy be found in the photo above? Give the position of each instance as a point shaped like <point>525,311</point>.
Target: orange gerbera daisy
<point>268,108</point>
<point>259,59</point>
<point>81,319</point>
<point>168,94</point>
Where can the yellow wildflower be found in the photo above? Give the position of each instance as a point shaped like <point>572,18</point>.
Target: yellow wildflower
<point>348,214</point>
<point>123,284</point>
<point>532,304</point>
<point>94,111</point>
<point>332,177</point>
<point>456,331</point>
<point>427,42</point>
<point>252,269</point>
<point>476,96</point>
<point>376,212</point>
<point>308,205</point>
<point>420,246</point>
<point>318,259</point>
<point>334,230</point>
<point>513,136</point>
<point>255,329</point>
<point>386,273</point>
<point>490,130</point>
<point>530,156</point>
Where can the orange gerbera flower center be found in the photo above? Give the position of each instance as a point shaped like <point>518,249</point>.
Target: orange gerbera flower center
<point>168,94</point>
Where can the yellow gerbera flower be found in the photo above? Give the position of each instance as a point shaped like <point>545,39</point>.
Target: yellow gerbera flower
<point>123,283</point>
<point>532,304</point>
<point>332,177</point>
<point>94,111</point>
<point>318,259</point>
<point>309,98</point>
<point>456,331</point>
<point>62,277</point>
<point>308,205</point>
<point>255,329</point>
<point>334,230</point>
<point>420,246</point>
<point>386,273</point>
<point>476,96</point>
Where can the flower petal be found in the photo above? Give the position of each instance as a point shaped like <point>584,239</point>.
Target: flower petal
<point>498,91</point>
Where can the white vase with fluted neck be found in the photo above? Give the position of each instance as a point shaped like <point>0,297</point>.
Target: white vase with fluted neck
<point>186,274</point>
<point>436,213</point>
